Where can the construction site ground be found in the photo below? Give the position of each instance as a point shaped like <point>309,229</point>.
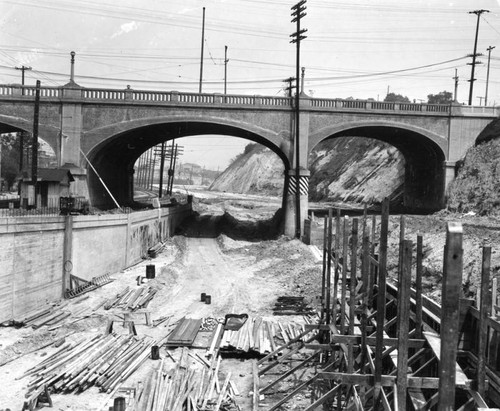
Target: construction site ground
<point>241,275</point>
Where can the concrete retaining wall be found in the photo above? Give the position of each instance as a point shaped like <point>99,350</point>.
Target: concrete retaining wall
<point>36,252</point>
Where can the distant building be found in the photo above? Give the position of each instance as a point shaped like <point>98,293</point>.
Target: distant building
<point>52,183</point>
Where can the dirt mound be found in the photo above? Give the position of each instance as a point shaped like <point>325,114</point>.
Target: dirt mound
<point>477,185</point>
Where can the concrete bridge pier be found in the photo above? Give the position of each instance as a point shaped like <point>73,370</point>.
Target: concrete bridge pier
<point>291,201</point>
<point>449,176</point>
<point>69,155</point>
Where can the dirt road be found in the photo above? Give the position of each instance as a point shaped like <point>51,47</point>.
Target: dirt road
<point>240,276</point>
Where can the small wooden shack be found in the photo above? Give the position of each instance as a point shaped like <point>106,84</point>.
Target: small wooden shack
<point>52,183</point>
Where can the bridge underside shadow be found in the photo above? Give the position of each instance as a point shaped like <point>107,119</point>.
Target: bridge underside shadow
<point>114,159</point>
<point>424,164</point>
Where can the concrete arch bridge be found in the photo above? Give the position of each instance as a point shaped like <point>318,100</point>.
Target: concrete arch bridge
<point>114,127</point>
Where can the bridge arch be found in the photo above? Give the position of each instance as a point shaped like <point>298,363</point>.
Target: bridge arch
<point>113,150</point>
<point>424,153</point>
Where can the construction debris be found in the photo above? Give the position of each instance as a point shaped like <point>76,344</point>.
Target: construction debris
<point>80,286</point>
<point>102,361</point>
<point>186,387</point>
<point>155,250</point>
<point>132,299</point>
<point>288,305</point>
<point>185,332</point>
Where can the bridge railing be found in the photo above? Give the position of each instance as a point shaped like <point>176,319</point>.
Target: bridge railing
<point>379,105</point>
<point>176,97</point>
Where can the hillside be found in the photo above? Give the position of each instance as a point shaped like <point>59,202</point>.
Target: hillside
<point>344,169</point>
<point>477,186</point>
<point>256,171</point>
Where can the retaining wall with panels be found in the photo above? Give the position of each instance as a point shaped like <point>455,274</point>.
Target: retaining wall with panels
<point>32,249</point>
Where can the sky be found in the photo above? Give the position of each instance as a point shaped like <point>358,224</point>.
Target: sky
<point>360,49</point>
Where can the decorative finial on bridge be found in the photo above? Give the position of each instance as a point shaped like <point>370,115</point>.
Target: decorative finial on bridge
<point>72,72</point>
<point>72,75</point>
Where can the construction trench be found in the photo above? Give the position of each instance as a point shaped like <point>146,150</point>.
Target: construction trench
<point>330,354</point>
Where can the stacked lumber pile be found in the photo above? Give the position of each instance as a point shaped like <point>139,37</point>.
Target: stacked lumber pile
<point>102,361</point>
<point>45,316</point>
<point>188,388</point>
<point>185,332</point>
<point>258,336</point>
<point>132,299</point>
<point>288,305</point>
<point>155,250</point>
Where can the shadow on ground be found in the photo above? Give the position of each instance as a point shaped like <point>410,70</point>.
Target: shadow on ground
<point>209,226</point>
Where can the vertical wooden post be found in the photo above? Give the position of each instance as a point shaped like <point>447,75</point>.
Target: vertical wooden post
<point>403,324</point>
<point>67,254</point>
<point>381,290</point>
<point>372,268</point>
<point>323,277</point>
<point>418,286</point>
<point>345,243</point>
<point>402,224</point>
<point>365,262</point>
<point>328,269</point>
<point>336,262</point>
<point>494,298</point>
<point>483,315</point>
<point>452,282</point>
<point>352,294</point>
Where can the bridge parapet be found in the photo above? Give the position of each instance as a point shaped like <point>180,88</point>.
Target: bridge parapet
<point>94,95</point>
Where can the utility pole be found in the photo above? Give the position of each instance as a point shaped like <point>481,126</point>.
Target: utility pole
<point>202,47</point>
<point>34,153</point>
<point>472,79</point>
<point>225,70</point>
<point>303,74</point>
<point>162,165</point>
<point>288,89</point>
<point>456,86</point>
<point>23,69</point>
<point>480,100</point>
<point>298,11</point>
<point>488,75</point>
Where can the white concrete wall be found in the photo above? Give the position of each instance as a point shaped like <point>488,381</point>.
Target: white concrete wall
<point>32,249</point>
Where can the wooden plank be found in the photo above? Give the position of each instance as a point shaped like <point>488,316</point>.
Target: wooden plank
<point>352,291</point>
<point>345,245</point>
<point>255,396</point>
<point>386,380</point>
<point>403,323</point>
<point>328,270</point>
<point>484,313</point>
<point>418,286</point>
<point>357,339</point>
<point>452,283</point>
<point>435,342</point>
<point>381,298</point>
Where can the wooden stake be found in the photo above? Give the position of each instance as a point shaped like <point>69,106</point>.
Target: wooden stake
<point>345,245</point>
<point>418,287</point>
<point>352,296</point>
<point>484,313</point>
<point>452,282</point>
<point>403,324</point>
<point>381,290</point>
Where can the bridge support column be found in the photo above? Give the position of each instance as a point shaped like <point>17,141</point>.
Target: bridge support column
<point>70,141</point>
<point>449,176</point>
<point>291,201</point>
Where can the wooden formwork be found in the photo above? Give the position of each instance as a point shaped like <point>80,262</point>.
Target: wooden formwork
<point>384,346</point>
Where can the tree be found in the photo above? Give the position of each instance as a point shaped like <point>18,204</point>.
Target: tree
<point>10,155</point>
<point>396,98</point>
<point>444,97</point>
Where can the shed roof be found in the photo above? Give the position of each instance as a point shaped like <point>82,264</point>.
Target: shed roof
<point>51,174</point>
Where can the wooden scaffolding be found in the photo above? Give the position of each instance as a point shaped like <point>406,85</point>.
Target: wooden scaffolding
<point>383,345</point>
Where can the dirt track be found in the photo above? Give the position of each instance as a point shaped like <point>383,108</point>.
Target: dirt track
<point>240,276</point>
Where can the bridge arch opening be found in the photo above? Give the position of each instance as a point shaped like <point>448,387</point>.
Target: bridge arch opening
<point>117,159</point>
<point>423,163</point>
